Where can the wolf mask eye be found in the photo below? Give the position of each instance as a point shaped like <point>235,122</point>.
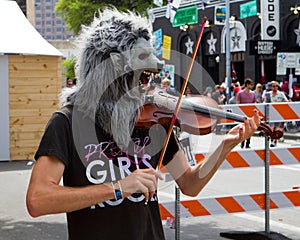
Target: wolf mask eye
<point>143,56</point>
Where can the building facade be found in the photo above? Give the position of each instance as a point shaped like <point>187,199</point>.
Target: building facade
<point>251,55</point>
<point>42,16</point>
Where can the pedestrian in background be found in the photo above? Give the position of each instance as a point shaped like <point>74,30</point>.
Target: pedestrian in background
<point>208,91</point>
<point>258,92</point>
<point>69,83</point>
<point>217,96</point>
<point>232,100</point>
<point>166,83</point>
<point>246,96</point>
<point>275,96</point>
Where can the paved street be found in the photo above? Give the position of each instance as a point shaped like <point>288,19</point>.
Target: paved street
<point>15,223</point>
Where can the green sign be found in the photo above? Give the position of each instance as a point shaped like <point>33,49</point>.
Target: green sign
<point>187,16</point>
<point>248,9</point>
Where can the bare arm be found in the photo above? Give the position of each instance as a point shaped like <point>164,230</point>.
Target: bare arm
<point>46,196</point>
<point>192,180</point>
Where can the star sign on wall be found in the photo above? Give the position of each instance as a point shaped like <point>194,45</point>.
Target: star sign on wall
<point>189,46</point>
<point>297,32</point>
<point>212,44</point>
<point>236,39</point>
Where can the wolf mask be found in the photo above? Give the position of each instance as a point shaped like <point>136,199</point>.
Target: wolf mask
<point>115,50</point>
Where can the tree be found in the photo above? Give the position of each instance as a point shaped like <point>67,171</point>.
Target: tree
<point>76,12</point>
<point>69,65</point>
<point>81,12</point>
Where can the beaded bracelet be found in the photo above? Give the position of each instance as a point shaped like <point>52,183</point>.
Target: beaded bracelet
<point>118,191</point>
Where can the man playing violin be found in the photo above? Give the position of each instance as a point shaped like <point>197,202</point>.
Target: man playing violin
<point>107,163</point>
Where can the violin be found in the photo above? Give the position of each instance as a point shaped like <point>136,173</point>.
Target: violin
<point>197,115</point>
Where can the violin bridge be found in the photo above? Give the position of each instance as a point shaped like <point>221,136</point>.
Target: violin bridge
<point>149,99</point>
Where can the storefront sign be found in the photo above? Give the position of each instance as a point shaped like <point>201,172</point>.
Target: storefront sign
<point>186,16</point>
<point>167,41</point>
<point>261,47</point>
<point>220,15</point>
<point>270,19</point>
<point>158,42</point>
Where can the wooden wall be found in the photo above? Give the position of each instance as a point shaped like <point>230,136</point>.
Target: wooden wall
<point>34,85</point>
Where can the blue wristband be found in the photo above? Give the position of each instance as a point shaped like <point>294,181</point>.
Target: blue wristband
<point>118,194</point>
<point>118,191</point>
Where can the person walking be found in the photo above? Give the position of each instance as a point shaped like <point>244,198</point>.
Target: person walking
<point>246,96</point>
<point>258,92</point>
<point>272,96</point>
<point>217,95</point>
<point>232,100</point>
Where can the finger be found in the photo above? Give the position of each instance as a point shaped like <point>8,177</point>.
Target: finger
<point>146,194</point>
<point>151,194</point>
<point>256,117</point>
<point>253,124</point>
<point>152,172</point>
<point>247,125</point>
<point>241,133</point>
<point>159,175</point>
<point>149,184</point>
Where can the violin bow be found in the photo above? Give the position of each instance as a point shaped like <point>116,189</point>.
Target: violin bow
<point>183,88</point>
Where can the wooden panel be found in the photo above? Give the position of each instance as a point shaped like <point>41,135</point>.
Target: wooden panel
<point>27,120</point>
<point>29,104</point>
<point>35,84</point>
<point>23,153</point>
<point>44,87</point>
<point>22,80</point>
<point>30,113</point>
<point>33,59</point>
<point>32,97</point>
<point>27,143</point>
<point>27,127</point>
<point>28,73</point>
<point>26,66</point>
<point>27,135</point>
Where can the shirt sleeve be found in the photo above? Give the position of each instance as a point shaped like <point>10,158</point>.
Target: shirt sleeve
<point>238,97</point>
<point>254,98</point>
<point>284,97</point>
<point>56,140</point>
<point>172,148</point>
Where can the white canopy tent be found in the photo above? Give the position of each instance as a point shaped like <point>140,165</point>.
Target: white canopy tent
<point>17,37</point>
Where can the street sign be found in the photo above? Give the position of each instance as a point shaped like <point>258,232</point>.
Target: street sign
<point>186,16</point>
<point>287,60</point>
<point>248,9</point>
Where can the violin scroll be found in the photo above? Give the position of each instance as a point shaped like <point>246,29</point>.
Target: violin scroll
<point>272,132</point>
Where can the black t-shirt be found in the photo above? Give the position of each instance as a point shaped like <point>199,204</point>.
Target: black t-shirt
<point>91,157</point>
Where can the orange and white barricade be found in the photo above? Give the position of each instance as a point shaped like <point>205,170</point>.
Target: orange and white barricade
<point>278,112</point>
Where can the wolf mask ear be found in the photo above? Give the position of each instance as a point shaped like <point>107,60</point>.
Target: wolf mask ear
<point>117,60</point>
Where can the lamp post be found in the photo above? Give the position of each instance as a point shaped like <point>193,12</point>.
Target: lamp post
<point>227,51</point>
<point>295,10</point>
